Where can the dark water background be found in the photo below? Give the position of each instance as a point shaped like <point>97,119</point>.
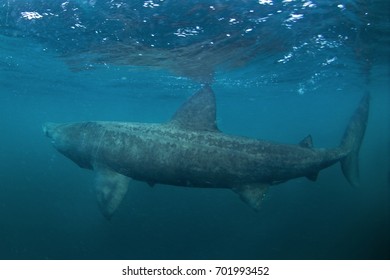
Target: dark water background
<point>281,82</point>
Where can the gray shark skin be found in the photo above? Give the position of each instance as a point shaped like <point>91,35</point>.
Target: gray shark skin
<point>190,151</point>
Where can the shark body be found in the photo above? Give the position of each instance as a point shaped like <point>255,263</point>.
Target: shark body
<point>191,151</point>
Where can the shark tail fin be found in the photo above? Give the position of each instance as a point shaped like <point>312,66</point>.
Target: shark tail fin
<point>352,139</point>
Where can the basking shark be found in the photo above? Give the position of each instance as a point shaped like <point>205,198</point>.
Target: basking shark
<point>190,151</point>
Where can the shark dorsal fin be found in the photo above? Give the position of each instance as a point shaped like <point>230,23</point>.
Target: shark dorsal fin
<point>306,142</point>
<point>198,112</point>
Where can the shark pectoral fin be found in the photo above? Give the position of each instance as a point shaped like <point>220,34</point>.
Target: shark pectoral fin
<point>111,187</point>
<point>252,195</point>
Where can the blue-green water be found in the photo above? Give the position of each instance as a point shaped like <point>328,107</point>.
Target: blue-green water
<point>280,69</point>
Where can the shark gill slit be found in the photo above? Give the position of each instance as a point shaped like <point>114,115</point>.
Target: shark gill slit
<point>96,153</point>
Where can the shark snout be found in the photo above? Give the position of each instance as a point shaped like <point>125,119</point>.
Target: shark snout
<point>48,129</point>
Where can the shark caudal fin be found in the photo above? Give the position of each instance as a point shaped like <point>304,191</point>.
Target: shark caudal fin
<point>352,139</point>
